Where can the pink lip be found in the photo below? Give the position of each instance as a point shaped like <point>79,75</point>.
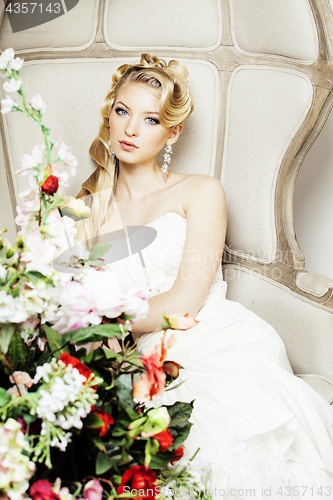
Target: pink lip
<point>128,146</point>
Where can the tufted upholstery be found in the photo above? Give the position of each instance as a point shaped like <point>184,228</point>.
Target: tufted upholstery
<point>261,73</point>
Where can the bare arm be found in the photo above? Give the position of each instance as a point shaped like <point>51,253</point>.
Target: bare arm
<point>202,254</point>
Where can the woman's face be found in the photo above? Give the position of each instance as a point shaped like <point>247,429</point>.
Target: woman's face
<point>136,133</point>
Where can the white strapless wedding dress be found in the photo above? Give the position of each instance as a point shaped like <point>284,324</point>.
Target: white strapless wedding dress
<point>264,431</point>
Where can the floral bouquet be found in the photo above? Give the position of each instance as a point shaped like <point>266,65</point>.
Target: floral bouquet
<point>75,424</point>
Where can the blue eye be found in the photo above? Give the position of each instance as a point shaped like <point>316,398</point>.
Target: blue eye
<point>121,111</point>
<point>153,121</point>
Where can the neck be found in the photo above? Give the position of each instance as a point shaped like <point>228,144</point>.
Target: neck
<point>137,181</point>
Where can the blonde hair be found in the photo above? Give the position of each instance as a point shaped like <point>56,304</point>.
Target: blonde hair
<point>176,105</point>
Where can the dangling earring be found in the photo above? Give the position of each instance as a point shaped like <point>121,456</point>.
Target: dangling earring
<point>167,159</point>
<point>111,152</point>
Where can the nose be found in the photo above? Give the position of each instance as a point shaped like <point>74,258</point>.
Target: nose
<point>132,127</point>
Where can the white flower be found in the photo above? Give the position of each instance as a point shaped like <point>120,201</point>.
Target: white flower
<point>15,467</point>
<point>62,444</point>
<point>37,103</point>
<point>12,309</point>
<point>106,293</point>
<point>7,56</point>
<point>7,105</point>
<point>16,64</point>
<point>32,301</point>
<point>42,372</point>
<point>13,85</point>
<point>28,162</point>
<point>65,401</point>
<point>75,208</point>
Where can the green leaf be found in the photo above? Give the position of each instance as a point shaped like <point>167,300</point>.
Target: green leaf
<point>116,479</point>
<point>136,361</point>
<point>93,333</point>
<point>124,389</point>
<point>4,396</point>
<point>133,415</point>
<point>99,250</point>
<point>99,445</point>
<point>93,421</point>
<point>180,412</point>
<point>28,418</point>
<point>55,341</point>
<point>104,463</point>
<point>34,276</point>
<point>110,355</point>
<point>180,426</point>
<point>95,355</point>
<point>118,431</point>
<point>18,353</point>
<point>161,460</point>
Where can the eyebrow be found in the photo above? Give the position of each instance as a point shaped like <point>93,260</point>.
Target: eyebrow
<point>146,112</point>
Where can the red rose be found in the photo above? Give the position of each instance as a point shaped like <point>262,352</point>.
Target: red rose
<point>42,490</point>
<point>165,439</point>
<point>171,368</point>
<point>70,360</point>
<point>51,185</point>
<point>107,420</point>
<point>139,480</point>
<point>177,454</point>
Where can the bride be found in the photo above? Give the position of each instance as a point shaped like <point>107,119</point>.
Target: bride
<point>265,433</point>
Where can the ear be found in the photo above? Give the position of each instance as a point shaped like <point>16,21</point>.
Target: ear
<point>174,134</point>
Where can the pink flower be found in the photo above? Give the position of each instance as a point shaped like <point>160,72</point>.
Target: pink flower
<point>93,490</point>
<point>99,294</point>
<point>153,382</point>
<point>181,321</point>
<point>78,309</point>
<point>37,103</point>
<point>28,162</point>
<point>65,155</point>
<point>17,391</point>
<point>135,304</point>
<point>21,378</point>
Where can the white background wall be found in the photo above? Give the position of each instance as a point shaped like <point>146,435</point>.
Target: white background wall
<point>313,203</point>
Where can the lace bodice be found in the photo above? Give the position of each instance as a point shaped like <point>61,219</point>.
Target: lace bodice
<point>154,269</point>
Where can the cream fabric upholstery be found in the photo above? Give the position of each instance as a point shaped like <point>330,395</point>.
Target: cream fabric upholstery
<point>203,32</point>
<point>261,73</point>
<point>260,101</point>
<point>281,27</point>
<point>59,33</point>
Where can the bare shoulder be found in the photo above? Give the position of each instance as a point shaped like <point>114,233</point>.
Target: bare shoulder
<point>203,189</point>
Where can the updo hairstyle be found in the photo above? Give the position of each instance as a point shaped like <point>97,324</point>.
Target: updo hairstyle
<point>176,105</point>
